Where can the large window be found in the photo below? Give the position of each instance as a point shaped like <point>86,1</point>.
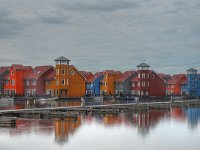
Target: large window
<point>63,71</point>
<point>63,82</point>
<point>33,82</point>
<point>12,82</point>
<point>12,72</point>
<point>143,75</point>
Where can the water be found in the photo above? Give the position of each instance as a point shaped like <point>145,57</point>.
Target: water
<point>174,129</point>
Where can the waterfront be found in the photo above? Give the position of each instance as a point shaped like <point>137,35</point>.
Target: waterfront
<point>158,129</point>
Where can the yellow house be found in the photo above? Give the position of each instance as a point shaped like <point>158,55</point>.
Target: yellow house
<point>68,82</point>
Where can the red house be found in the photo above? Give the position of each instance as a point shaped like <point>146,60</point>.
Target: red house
<point>147,82</point>
<point>34,83</point>
<point>14,81</point>
<point>174,84</point>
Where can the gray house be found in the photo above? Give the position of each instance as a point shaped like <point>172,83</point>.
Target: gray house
<point>4,71</point>
<point>123,84</point>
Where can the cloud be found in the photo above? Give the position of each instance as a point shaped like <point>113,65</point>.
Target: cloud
<point>102,6</point>
<point>10,25</point>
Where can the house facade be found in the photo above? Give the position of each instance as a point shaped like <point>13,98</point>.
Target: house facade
<point>96,83</point>
<point>88,82</point>
<point>107,87</point>
<point>68,81</point>
<point>193,83</point>
<point>147,82</point>
<point>34,83</point>
<point>14,81</point>
<point>4,71</point>
<point>123,84</point>
<point>174,84</point>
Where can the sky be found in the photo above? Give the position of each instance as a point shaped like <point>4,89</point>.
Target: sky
<point>102,34</point>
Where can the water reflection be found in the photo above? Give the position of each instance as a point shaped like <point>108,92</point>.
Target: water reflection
<point>129,125</point>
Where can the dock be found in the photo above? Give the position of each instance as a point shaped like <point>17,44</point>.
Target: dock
<point>75,111</point>
<point>7,121</point>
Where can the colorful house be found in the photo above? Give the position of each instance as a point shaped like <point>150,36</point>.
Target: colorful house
<point>14,81</point>
<point>98,77</point>
<point>147,82</point>
<point>34,82</point>
<point>68,81</point>
<point>50,84</point>
<point>174,84</point>
<point>4,71</point>
<point>123,84</point>
<point>88,83</point>
<point>193,83</point>
<point>107,86</point>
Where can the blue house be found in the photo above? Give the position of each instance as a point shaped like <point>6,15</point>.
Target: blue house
<point>96,83</point>
<point>193,83</point>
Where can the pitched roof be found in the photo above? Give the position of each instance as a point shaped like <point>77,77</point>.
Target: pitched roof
<point>143,65</point>
<point>20,67</point>
<point>38,71</point>
<point>125,76</point>
<point>176,78</point>
<point>3,69</point>
<point>97,75</point>
<point>62,58</point>
<point>112,72</point>
<point>51,75</point>
<point>165,77</point>
<point>184,81</point>
<point>88,75</point>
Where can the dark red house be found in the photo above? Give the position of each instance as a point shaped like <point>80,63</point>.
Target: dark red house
<point>34,83</point>
<point>147,82</point>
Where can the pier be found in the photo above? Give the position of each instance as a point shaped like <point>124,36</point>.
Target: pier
<point>75,111</point>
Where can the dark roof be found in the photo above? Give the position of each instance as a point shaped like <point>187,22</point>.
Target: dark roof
<point>143,65</point>
<point>165,77</point>
<point>125,76</point>
<point>38,71</point>
<point>62,58</point>
<point>4,69</point>
<point>191,69</point>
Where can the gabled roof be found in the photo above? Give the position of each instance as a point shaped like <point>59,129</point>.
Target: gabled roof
<point>184,81</point>
<point>125,76</point>
<point>97,75</point>
<point>143,65</point>
<point>176,78</point>
<point>51,75</point>
<point>4,69</point>
<point>72,66</point>
<point>88,76</point>
<point>38,72</point>
<point>165,77</point>
<point>20,67</point>
<point>112,72</point>
<point>62,58</point>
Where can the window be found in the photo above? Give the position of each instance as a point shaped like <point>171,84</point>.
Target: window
<point>143,83</point>
<point>138,75</point>
<point>133,84</point>
<point>34,82</point>
<point>152,76</point>
<point>105,83</point>
<point>63,82</point>
<point>143,75</point>
<point>12,82</point>
<point>27,82</point>
<point>106,76</point>
<point>148,84</point>
<point>12,72</point>
<point>7,82</point>
<point>63,71</point>
<point>147,75</point>
<point>133,92</point>
<point>138,84</point>
<point>33,92</point>
<point>48,82</point>
<point>57,81</point>
<point>72,72</point>
<point>57,71</point>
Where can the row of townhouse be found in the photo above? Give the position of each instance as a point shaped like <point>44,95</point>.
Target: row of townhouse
<point>65,80</point>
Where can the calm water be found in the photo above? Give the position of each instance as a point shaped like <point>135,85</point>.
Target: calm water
<point>156,130</point>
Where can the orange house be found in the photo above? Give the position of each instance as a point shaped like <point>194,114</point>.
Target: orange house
<point>66,81</point>
<point>14,81</point>
<point>107,86</point>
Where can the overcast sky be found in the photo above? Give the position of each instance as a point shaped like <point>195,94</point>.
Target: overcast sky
<point>101,34</point>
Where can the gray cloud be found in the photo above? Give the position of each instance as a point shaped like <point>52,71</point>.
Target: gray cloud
<point>10,25</point>
<point>103,6</point>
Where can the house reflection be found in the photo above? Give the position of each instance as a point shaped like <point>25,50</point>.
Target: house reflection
<point>65,127</point>
<point>193,117</point>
